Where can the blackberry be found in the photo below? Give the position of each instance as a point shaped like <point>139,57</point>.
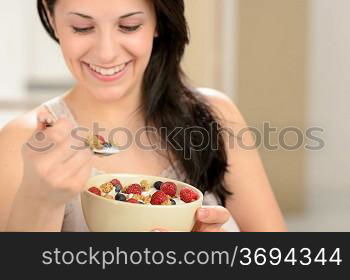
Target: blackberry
<point>120,197</point>
<point>118,188</point>
<point>157,185</point>
<point>107,145</point>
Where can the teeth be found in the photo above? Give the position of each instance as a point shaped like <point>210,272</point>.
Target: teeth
<point>119,68</point>
<point>107,72</point>
<point>92,67</point>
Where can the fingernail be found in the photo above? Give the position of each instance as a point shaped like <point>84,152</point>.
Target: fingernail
<point>155,230</point>
<point>203,213</point>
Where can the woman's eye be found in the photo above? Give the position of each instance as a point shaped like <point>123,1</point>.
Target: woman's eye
<point>128,29</point>
<point>82,30</point>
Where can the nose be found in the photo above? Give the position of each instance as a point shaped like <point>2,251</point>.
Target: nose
<point>107,48</point>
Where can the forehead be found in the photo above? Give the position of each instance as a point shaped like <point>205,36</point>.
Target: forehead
<point>104,8</point>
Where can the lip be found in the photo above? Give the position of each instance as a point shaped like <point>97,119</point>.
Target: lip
<point>113,78</point>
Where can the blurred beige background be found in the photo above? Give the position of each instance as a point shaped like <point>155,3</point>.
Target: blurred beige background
<point>282,61</point>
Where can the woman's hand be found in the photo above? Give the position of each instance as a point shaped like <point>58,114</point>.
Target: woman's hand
<point>211,219</point>
<point>208,219</point>
<point>54,171</point>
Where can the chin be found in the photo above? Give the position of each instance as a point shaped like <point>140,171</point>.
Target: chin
<point>107,94</point>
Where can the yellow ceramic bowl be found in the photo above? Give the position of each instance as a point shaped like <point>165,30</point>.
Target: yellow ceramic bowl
<point>104,215</point>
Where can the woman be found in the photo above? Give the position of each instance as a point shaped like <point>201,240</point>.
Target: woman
<point>125,56</point>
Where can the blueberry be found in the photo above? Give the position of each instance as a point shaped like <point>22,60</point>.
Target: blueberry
<point>118,188</point>
<point>157,185</point>
<point>120,197</point>
<point>173,202</point>
<point>107,145</point>
<point>140,202</point>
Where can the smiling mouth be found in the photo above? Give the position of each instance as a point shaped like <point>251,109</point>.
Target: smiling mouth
<point>108,72</point>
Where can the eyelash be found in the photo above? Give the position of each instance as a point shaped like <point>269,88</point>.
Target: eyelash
<point>125,29</point>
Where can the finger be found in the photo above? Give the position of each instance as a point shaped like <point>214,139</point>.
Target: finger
<point>39,141</point>
<point>203,227</point>
<point>213,214</point>
<point>71,147</point>
<point>54,154</point>
<point>44,140</point>
<point>44,117</point>
<point>83,174</point>
<point>76,162</point>
<point>60,131</point>
<point>61,144</point>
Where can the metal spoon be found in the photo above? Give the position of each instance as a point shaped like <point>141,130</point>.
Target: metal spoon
<point>106,151</point>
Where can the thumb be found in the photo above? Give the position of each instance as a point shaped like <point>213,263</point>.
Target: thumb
<point>44,119</point>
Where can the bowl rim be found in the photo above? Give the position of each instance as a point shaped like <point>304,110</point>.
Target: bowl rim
<point>164,179</point>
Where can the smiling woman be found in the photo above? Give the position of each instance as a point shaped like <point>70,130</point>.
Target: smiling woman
<point>125,56</point>
<point>101,46</point>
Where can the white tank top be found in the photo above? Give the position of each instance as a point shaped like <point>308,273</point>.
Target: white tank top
<point>74,219</point>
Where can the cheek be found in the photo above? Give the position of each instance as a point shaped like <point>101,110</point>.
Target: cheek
<point>74,48</point>
<point>140,46</point>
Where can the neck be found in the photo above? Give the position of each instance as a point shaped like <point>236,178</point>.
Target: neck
<point>87,109</point>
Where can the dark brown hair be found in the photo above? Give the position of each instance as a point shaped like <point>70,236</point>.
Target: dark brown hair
<point>169,102</point>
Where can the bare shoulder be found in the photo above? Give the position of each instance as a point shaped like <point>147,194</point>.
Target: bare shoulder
<point>20,129</point>
<point>222,105</point>
<point>20,126</point>
<point>246,176</point>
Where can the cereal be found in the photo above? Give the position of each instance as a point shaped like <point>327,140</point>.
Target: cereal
<point>107,187</point>
<point>94,143</point>
<point>167,202</point>
<point>146,193</point>
<point>138,196</point>
<point>98,142</point>
<point>146,186</point>
<point>147,199</point>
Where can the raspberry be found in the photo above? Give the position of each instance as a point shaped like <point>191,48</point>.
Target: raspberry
<point>158,198</point>
<point>132,200</point>
<point>188,195</point>
<point>101,139</point>
<point>134,189</point>
<point>95,190</point>
<point>168,188</point>
<point>116,182</point>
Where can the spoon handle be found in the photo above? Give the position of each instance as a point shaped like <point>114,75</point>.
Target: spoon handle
<point>48,124</point>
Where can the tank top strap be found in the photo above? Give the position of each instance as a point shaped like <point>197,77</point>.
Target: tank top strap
<point>58,108</point>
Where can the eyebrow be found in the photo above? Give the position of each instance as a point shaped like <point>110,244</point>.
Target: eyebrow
<point>121,17</point>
